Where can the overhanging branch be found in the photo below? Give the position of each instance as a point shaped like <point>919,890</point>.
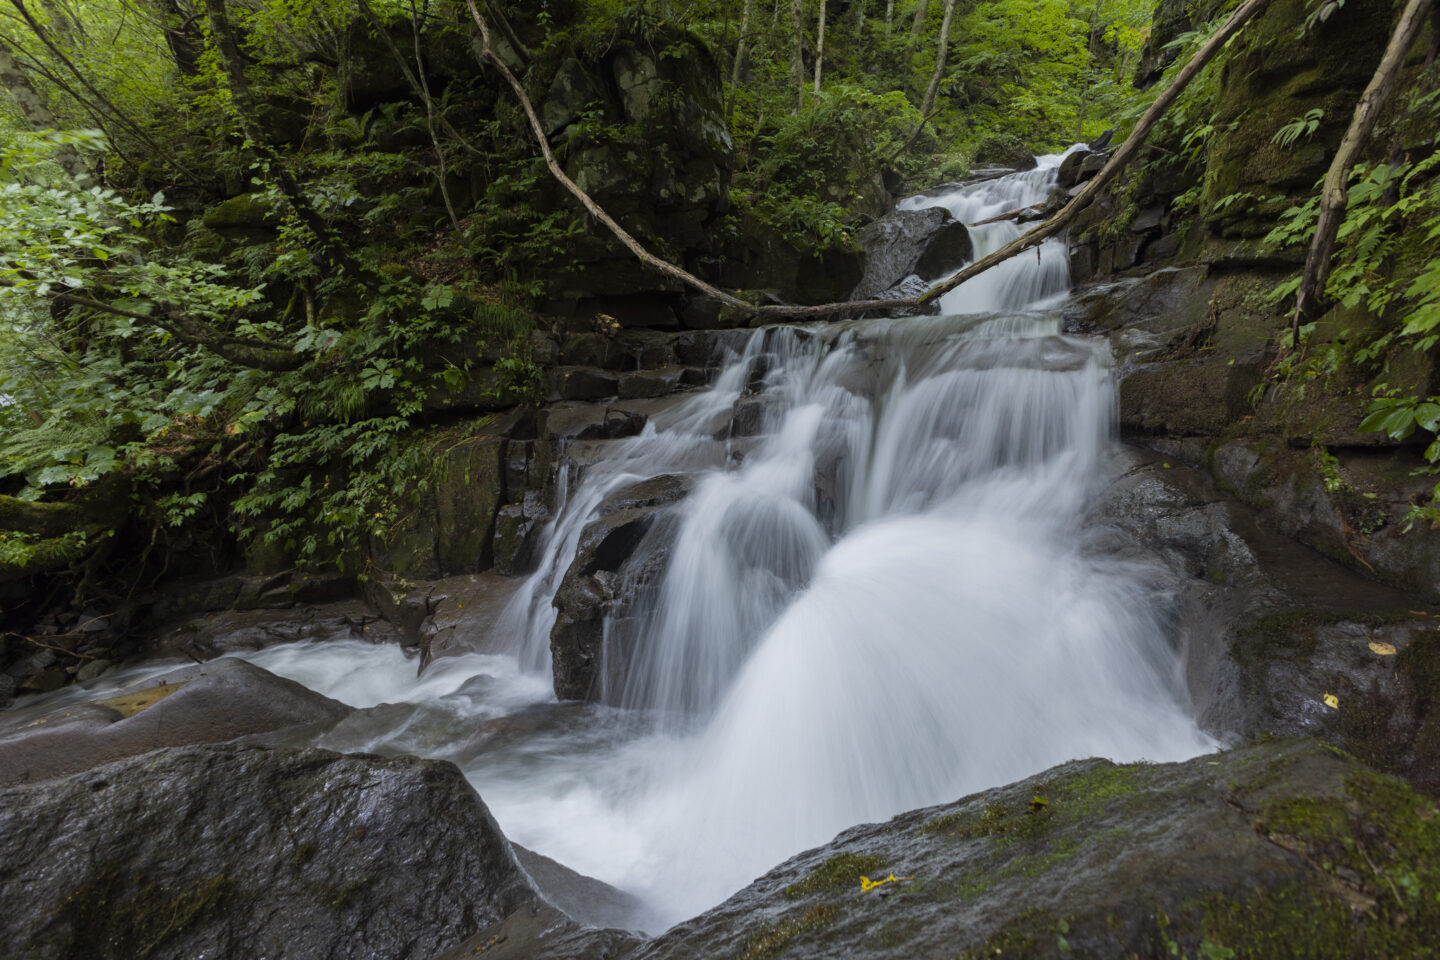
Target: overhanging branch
<point>1122,156</point>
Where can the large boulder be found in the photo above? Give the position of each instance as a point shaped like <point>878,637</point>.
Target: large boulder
<point>923,245</point>
<point>205,703</point>
<point>666,176</point>
<point>1287,848</point>
<point>1278,640</point>
<point>231,851</point>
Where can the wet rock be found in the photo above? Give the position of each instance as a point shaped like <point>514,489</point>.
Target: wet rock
<point>927,243</point>
<point>1240,850</point>
<point>1268,627</point>
<point>647,384</point>
<point>583,384</point>
<point>463,614</point>
<point>208,703</point>
<point>212,635</point>
<point>228,851</point>
<point>582,898</point>
<point>622,544</point>
<point>1069,173</point>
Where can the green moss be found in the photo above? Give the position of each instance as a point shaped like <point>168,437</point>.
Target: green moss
<point>115,914</point>
<point>1374,891</point>
<point>303,854</point>
<point>837,873</point>
<point>770,939</point>
<point>249,210</point>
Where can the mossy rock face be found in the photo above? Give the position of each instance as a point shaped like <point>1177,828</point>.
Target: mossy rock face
<point>1274,74</point>
<point>249,211</point>
<point>1284,849</point>
<point>450,526</point>
<point>227,851</point>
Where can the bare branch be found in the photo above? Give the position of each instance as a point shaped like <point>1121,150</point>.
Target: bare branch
<point>1333,195</point>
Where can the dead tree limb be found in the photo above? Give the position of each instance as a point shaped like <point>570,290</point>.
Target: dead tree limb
<point>1334,196</point>
<point>1015,214</point>
<point>1127,150</point>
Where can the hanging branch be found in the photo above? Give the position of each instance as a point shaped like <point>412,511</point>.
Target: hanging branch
<point>1333,195</point>
<point>1026,241</point>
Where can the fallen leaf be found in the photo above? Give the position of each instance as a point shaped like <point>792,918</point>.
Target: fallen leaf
<point>1384,649</point>
<point>1332,701</point>
<point>867,884</point>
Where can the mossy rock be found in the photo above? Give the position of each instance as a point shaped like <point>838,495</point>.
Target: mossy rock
<point>1282,849</point>
<point>248,211</point>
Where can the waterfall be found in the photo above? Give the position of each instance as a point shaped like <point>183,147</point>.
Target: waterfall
<point>879,597</point>
<point>887,601</point>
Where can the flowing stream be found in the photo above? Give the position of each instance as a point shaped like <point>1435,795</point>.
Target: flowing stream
<point>880,600</point>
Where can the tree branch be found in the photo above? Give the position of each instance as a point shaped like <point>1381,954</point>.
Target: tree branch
<point>1334,196</point>
<point>1122,156</point>
<point>239,350</point>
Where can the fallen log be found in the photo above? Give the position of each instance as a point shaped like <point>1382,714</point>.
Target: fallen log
<point>1015,214</point>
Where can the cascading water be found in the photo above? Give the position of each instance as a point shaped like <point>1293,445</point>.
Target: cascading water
<point>882,600</point>
<point>887,602</point>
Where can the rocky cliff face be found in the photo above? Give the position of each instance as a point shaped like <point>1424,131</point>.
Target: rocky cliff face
<point>1181,277</point>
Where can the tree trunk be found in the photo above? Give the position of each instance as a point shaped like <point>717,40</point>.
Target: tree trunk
<point>184,39</point>
<point>921,12</point>
<point>1121,157</point>
<point>35,111</point>
<point>820,46</point>
<point>742,53</point>
<point>1333,195</point>
<point>797,53</point>
<point>940,53</point>
<point>889,14</point>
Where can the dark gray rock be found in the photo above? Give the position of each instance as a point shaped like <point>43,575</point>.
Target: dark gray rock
<point>212,635</point>
<point>1242,850</point>
<point>207,703</point>
<point>583,383</point>
<point>230,851</point>
<point>624,544</point>
<point>1268,627</point>
<point>926,244</point>
<point>1069,173</point>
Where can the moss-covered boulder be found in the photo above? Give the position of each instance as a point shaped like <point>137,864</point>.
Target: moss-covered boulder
<point>1285,849</point>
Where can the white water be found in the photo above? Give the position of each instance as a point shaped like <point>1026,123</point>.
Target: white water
<point>922,622</point>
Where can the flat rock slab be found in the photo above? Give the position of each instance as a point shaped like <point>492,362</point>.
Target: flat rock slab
<point>204,703</point>
<point>229,851</point>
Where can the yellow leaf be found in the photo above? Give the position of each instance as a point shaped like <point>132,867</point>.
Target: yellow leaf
<point>1332,701</point>
<point>1384,649</point>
